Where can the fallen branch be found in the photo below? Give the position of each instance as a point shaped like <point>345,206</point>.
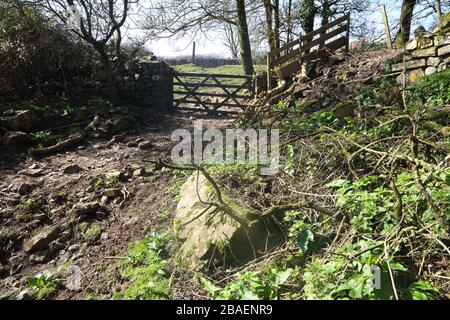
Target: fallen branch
<point>222,206</point>
<point>66,143</point>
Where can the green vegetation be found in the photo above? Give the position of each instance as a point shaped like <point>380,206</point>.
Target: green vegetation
<point>249,286</point>
<point>93,232</point>
<point>109,179</point>
<point>43,285</point>
<point>164,215</point>
<point>175,189</point>
<point>39,138</point>
<point>227,69</point>
<point>384,176</point>
<point>433,90</point>
<point>145,270</point>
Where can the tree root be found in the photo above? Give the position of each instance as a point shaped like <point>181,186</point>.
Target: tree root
<point>66,143</point>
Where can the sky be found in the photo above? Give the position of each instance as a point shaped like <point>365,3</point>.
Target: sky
<point>212,44</point>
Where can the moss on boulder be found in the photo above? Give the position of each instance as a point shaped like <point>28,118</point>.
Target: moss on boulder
<point>209,236</point>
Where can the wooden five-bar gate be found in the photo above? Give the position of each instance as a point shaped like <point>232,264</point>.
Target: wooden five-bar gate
<point>212,91</point>
<point>287,60</point>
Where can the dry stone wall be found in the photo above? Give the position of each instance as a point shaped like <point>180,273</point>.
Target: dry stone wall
<point>427,54</point>
<point>147,83</point>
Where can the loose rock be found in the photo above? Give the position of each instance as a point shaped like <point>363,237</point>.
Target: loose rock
<point>16,139</point>
<point>73,281</point>
<point>41,240</point>
<point>72,169</point>
<point>111,193</point>
<point>145,145</point>
<point>85,208</point>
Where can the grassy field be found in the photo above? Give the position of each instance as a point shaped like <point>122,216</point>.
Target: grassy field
<point>227,69</point>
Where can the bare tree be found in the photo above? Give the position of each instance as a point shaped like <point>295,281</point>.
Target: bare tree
<point>406,16</point>
<point>230,39</point>
<point>273,22</point>
<point>244,38</point>
<point>189,18</point>
<point>101,22</point>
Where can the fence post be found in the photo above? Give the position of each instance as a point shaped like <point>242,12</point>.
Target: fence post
<point>269,77</point>
<point>386,26</point>
<point>347,47</point>
<point>171,88</point>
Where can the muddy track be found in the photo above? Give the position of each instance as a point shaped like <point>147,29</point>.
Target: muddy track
<point>41,194</point>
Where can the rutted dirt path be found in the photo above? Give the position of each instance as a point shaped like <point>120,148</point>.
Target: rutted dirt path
<point>85,206</point>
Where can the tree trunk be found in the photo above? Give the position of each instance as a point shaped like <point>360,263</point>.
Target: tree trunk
<point>325,16</point>
<point>309,16</point>
<point>110,76</point>
<point>276,11</point>
<point>438,9</point>
<point>405,22</point>
<point>269,22</point>
<point>289,22</point>
<point>112,84</point>
<point>308,23</point>
<point>244,39</point>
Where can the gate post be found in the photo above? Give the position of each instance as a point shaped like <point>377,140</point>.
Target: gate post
<point>166,86</point>
<point>170,106</point>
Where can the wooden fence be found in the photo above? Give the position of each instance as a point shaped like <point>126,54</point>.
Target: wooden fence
<point>289,58</point>
<point>212,91</point>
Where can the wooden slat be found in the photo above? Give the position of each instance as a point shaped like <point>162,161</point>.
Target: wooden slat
<point>209,85</point>
<point>324,38</point>
<point>284,48</point>
<point>273,56</point>
<point>191,92</point>
<point>285,58</point>
<point>208,94</point>
<point>337,44</point>
<point>224,112</point>
<point>217,75</point>
<point>324,28</point>
<point>334,45</point>
<point>230,92</point>
<point>215,103</point>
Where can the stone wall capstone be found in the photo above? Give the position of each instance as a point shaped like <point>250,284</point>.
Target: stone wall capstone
<point>427,54</point>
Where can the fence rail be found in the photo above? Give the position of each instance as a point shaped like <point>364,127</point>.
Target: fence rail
<point>289,58</point>
<point>198,88</point>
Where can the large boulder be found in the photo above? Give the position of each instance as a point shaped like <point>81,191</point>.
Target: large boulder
<point>209,236</point>
<point>16,139</point>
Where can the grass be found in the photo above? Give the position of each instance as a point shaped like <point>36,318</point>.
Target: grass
<point>226,69</point>
<point>145,268</point>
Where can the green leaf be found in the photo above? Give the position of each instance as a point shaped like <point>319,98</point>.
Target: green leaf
<point>398,266</point>
<point>248,295</point>
<point>336,183</point>
<point>208,286</point>
<point>280,277</point>
<point>304,238</point>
